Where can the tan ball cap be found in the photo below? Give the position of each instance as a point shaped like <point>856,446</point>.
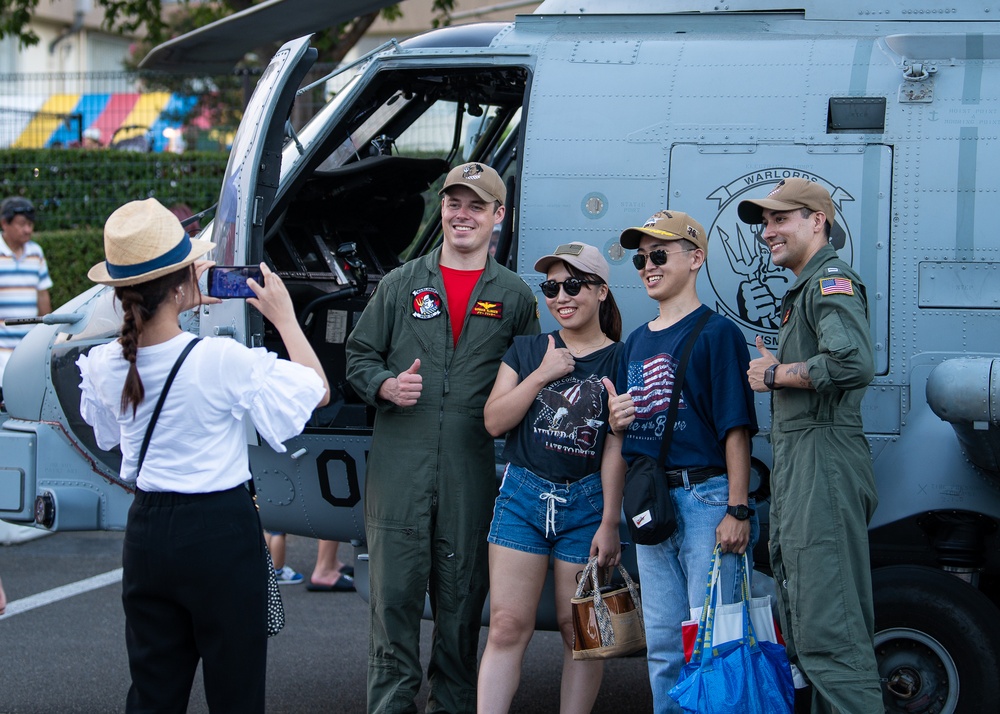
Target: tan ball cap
<point>666,225</point>
<point>789,195</point>
<point>482,179</point>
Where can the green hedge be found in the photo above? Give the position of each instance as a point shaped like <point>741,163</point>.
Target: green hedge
<point>74,191</point>
<point>75,188</point>
<point>70,255</point>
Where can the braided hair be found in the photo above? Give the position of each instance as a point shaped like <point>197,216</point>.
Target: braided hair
<point>139,303</point>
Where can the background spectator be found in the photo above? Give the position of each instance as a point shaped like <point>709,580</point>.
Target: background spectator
<point>24,275</point>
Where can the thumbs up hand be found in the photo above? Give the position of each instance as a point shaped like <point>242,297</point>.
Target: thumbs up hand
<point>557,362</point>
<point>404,390</point>
<point>755,374</point>
<point>621,409</point>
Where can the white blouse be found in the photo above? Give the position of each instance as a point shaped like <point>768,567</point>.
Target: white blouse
<point>199,444</point>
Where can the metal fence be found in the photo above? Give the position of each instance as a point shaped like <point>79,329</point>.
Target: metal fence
<point>136,111</point>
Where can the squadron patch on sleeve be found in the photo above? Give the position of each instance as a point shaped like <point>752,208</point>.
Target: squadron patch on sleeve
<point>485,308</point>
<point>836,286</point>
<point>426,303</point>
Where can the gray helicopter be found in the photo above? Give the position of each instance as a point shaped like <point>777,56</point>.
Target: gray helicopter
<point>598,115</point>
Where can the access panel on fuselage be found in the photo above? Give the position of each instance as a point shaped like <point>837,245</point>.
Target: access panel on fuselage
<point>739,279</point>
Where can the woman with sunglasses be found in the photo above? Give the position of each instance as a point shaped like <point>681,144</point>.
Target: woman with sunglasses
<point>561,492</point>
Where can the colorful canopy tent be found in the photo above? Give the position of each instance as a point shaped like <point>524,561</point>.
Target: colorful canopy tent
<point>46,121</point>
<point>171,117</point>
<point>88,108</point>
<point>133,119</point>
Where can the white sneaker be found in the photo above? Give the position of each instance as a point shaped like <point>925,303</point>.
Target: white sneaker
<point>287,576</point>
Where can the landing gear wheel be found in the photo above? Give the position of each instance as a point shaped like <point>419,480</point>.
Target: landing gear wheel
<point>937,642</point>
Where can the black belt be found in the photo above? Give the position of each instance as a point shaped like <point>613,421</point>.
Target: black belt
<point>675,477</point>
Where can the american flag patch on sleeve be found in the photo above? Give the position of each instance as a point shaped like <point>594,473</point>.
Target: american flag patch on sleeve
<point>835,286</point>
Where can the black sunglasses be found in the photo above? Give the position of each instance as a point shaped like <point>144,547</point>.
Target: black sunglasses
<point>572,286</point>
<point>28,213</point>
<point>657,257</point>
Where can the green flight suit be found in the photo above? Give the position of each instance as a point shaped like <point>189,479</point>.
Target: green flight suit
<point>823,488</point>
<point>431,477</point>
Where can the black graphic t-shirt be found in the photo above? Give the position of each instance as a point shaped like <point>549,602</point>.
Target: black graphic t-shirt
<point>561,438</point>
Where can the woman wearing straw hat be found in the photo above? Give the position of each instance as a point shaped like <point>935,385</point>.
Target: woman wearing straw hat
<point>194,582</point>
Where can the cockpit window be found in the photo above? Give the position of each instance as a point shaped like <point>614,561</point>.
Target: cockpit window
<point>380,155</point>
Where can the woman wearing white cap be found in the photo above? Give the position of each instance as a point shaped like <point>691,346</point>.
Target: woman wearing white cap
<point>194,584</point>
<point>562,488</point>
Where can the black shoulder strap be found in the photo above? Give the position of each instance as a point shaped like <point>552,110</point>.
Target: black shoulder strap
<point>675,395</point>
<point>159,403</point>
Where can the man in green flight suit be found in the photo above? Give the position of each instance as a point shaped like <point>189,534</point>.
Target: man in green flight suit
<point>822,484</point>
<point>425,353</point>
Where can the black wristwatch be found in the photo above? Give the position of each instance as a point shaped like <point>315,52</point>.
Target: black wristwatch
<point>769,377</point>
<point>740,513</point>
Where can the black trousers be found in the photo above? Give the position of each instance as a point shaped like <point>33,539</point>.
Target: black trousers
<point>194,587</point>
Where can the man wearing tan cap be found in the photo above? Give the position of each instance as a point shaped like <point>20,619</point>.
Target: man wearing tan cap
<point>425,353</point>
<point>708,461</point>
<point>822,483</point>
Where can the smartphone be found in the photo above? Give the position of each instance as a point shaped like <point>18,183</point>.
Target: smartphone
<point>230,281</point>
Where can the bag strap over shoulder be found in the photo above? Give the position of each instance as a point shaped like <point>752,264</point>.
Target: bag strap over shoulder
<point>159,403</point>
<point>675,394</point>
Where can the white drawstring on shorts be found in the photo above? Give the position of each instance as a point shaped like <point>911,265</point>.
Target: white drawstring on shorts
<point>550,510</point>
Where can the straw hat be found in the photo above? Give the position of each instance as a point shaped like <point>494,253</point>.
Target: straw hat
<point>142,241</point>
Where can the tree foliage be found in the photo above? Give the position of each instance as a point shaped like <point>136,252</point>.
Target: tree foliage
<point>130,17</point>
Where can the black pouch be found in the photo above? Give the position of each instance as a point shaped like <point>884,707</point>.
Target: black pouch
<point>646,502</point>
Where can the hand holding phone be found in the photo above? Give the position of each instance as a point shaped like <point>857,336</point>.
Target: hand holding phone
<point>230,281</point>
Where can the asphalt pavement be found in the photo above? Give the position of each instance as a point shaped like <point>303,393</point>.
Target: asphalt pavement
<point>62,647</point>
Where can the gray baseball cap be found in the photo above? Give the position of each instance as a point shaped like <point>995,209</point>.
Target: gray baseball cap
<point>581,256</point>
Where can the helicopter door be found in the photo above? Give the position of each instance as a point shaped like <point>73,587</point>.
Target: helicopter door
<point>251,181</point>
<point>739,280</point>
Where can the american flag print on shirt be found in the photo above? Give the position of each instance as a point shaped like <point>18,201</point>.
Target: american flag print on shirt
<point>651,382</point>
<point>836,286</point>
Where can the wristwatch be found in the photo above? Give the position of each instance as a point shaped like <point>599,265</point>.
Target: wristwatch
<point>769,377</point>
<point>740,513</point>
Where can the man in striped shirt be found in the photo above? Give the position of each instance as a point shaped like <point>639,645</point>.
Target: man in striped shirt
<point>24,275</point>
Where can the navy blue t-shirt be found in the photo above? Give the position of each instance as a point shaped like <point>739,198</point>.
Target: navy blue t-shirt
<point>561,438</point>
<point>716,395</point>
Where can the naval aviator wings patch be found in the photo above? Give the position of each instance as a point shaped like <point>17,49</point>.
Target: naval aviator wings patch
<point>487,308</point>
<point>836,286</point>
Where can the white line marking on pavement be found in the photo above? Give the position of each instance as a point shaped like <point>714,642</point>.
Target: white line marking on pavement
<point>48,597</point>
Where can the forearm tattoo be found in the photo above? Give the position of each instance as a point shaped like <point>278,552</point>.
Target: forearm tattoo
<point>798,372</point>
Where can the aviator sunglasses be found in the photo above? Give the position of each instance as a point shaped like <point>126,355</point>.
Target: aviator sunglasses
<point>572,286</point>
<point>13,212</point>
<point>657,257</point>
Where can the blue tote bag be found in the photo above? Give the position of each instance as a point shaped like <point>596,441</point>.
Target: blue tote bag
<point>742,676</point>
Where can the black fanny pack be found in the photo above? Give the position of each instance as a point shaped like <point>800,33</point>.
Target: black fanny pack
<point>646,502</point>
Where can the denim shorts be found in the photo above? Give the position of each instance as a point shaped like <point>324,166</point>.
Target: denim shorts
<point>537,516</point>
